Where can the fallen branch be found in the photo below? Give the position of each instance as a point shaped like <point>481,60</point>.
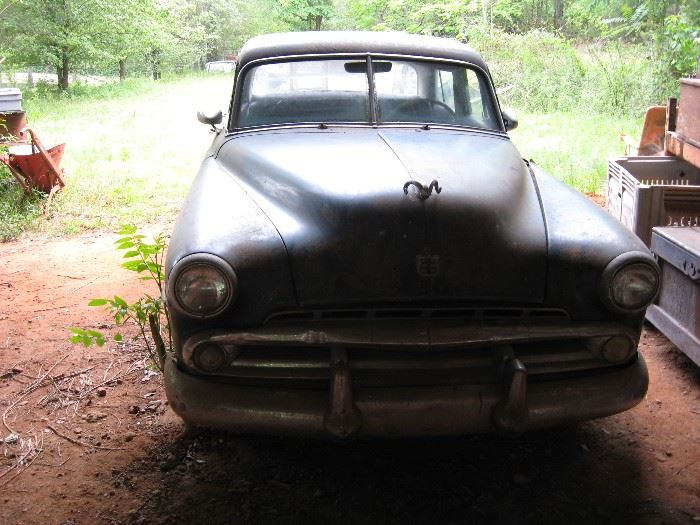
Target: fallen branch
<point>38,448</point>
<point>686,466</point>
<point>108,382</point>
<point>54,466</point>
<point>80,443</point>
<point>31,388</point>
<point>25,468</point>
<point>61,377</point>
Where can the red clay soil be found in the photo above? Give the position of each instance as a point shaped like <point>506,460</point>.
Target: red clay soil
<point>91,439</point>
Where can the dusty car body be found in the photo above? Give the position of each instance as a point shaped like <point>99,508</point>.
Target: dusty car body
<point>364,252</point>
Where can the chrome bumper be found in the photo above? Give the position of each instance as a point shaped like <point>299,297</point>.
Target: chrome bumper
<point>343,411</point>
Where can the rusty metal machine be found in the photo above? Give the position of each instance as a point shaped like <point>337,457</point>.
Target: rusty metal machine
<point>657,195</point>
<point>29,162</point>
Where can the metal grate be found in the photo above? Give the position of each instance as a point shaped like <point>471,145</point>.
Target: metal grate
<point>469,313</point>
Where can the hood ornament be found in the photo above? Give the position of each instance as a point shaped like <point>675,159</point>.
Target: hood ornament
<point>423,191</point>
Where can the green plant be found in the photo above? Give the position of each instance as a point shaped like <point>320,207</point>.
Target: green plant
<point>18,210</point>
<point>541,70</point>
<point>117,169</point>
<point>149,313</point>
<point>676,47</point>
<point>618,79</point>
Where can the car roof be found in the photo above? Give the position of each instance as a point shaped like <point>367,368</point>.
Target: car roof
<point>351,42</point>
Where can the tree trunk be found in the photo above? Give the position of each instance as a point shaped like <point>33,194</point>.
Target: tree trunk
<point>63,70</point>
<point>318,20</point>
<point>211,56</point>
<point>122,70</point>
<point>155,64</point>
<point>558,14</point>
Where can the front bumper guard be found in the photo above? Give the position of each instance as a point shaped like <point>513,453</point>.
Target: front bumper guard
<point>513,405</point>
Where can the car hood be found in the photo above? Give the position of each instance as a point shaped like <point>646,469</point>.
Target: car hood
<point>354,236</point>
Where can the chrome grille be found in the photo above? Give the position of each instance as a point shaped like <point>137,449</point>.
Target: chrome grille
<point>465,313</point>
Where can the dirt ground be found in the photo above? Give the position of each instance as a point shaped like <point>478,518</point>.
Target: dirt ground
<point>89,438</point>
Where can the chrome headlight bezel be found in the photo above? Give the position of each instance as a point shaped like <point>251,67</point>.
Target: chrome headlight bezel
<point>615,271</point>
<point>205,261</point>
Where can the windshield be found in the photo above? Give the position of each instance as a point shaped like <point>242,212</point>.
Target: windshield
<point>338,90</point>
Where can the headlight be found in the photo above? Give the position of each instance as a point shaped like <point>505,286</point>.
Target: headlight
<point>203,285</point>
<point>631,283</point>
<point>634,286</point>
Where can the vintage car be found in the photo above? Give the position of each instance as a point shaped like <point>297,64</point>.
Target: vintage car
<point>220,66</point>
<point>365,253</point>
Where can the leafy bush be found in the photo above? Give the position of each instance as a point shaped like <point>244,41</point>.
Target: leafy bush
<point>618,80</point>
<point>582,23</point>
<point>149,313</point>
<point>18,210</point>
<point>542,70</point>
<point>677,46</point>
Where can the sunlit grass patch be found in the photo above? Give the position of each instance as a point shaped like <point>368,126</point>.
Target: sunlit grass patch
<point>574,146</point>
<point>131,157</point>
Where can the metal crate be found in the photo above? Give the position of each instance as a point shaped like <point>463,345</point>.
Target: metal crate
<point>643,192</point>
<point>10,100</point>
<point>676,311</point>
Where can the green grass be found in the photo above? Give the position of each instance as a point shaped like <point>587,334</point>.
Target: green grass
<point>17,210</point>
<point>132,150</point>
<point>574,147</point>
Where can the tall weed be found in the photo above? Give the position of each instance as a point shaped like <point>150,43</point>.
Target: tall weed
<point>18,210</point>
<point>541,72</point>
<point>538,71</point>
<point>619,79</point>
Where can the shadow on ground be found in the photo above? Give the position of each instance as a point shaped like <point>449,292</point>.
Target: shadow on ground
<point>563,476</point>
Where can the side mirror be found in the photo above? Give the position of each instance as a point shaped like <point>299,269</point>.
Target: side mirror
<point>209,117</point>
<point>509,119</point>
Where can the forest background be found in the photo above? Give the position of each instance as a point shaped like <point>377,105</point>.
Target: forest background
<point>579,72</point>
<point>608,55</point>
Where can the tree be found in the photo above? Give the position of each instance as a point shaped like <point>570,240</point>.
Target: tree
<point>127,31</point>
<point>72,34</point>
<point>306,14</point>
<point>63,33</point>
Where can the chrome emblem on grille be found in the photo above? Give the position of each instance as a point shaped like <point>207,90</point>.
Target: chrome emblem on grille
<point>423,191</point>
<point>428,264</point>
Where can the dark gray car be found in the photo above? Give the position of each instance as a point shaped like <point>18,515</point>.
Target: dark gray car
<point>364,252</point>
